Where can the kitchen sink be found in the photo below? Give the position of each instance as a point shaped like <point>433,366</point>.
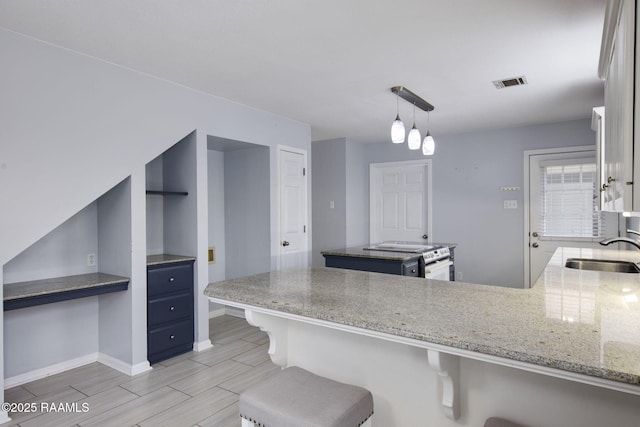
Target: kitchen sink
<point>602,265</point>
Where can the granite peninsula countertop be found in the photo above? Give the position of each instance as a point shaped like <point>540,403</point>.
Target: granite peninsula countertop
<point>580,321</point>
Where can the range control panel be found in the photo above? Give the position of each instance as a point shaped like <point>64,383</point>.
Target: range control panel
<point>435,254</point>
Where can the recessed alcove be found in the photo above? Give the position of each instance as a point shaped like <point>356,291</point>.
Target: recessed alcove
<point>239,208</point>
<point>74,282</point>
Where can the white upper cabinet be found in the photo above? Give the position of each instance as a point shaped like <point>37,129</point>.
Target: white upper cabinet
<point>619,71</point>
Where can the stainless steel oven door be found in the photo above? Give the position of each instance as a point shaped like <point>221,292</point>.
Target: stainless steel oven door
<point>438,270</point>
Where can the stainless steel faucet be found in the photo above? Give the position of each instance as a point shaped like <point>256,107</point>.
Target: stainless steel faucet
<point>633,242</point>
<point>637,233</point>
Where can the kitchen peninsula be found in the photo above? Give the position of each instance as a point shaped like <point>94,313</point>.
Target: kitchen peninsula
<point>564,353</point>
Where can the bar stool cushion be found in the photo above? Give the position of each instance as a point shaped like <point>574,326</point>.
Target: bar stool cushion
<point>500,422</point>
<point>295,397</point>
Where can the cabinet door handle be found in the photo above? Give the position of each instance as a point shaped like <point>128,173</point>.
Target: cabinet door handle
<point>172,308</point>
<point>172,336</point>
<point>413,270</point>
<point>171,279</point>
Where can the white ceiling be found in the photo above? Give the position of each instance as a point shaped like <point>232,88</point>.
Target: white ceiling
<point>330,63</point>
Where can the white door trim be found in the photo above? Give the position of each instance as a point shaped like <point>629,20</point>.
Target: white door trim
<point>423,162</point>
<point>527,155</point>
<point>280,148</point>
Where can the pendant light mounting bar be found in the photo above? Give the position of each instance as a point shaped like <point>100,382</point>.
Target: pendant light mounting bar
<point>412,98</point>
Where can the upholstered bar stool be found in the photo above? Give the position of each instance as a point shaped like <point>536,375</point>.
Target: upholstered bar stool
<point>297,398</point>
<point>500,422</point>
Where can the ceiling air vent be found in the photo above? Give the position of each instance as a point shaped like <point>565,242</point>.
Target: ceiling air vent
<point>514,81</point>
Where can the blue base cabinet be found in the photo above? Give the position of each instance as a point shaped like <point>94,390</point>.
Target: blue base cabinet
<point>169,310</point>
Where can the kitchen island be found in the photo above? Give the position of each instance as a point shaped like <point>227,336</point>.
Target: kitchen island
<point>382,261</point>
<point>564,353</point>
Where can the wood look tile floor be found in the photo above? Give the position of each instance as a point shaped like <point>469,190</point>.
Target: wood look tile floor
<point>193,389</point>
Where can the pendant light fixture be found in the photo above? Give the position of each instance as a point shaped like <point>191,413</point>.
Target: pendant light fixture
<point>428,145</point>
<point>397,128</point>
<point>414,133</point>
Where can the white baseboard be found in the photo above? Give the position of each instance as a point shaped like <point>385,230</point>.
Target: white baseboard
<point>202,345</point>
<point>233,311</point>
<point>4,417</point>
<point>123,367</point>
<point>56,368</point>
<point>217,312</point>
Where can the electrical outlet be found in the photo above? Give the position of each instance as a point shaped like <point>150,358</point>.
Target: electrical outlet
<point>91,260</point>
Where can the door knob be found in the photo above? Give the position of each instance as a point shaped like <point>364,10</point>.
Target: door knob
<point>535,245</point>
<point>425,236</point>
<point>534,234</point>
<point>285,243</point>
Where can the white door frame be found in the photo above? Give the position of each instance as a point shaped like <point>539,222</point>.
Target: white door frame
<point>527,230</point>
<point>280,148</point>
<point>428,189</point>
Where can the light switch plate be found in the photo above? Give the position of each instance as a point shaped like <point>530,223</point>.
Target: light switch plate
<point>511,204</point>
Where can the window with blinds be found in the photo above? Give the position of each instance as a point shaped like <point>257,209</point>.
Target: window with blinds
<point>568,204</point>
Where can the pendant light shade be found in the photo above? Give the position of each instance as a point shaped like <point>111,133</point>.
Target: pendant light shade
<point>397,128</point>
<point>414,138</point>
<point>414,133</point>
<point>428,145</point>
<point>397,131</point>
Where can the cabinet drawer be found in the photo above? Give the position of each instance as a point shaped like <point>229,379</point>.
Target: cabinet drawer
<point>168,279</point>
<point>169,308</point>
<point>166,337</point>
<point>411,269</point>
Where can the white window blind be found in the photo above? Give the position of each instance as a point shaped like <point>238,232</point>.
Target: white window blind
<point>568,202</point>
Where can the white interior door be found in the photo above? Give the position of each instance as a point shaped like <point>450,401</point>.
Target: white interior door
<point>562,206</point>
<point>400,205</point>
<point>293,208</point>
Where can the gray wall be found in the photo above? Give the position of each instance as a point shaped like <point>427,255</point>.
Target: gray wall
<point>247,218</point>
<point>114,240</point>
<point>215,200</point>
<point>97,124</point>
<point>328,184</point>
<point>357,176</point>
<point>468,173</point>
<point>66,330</point>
